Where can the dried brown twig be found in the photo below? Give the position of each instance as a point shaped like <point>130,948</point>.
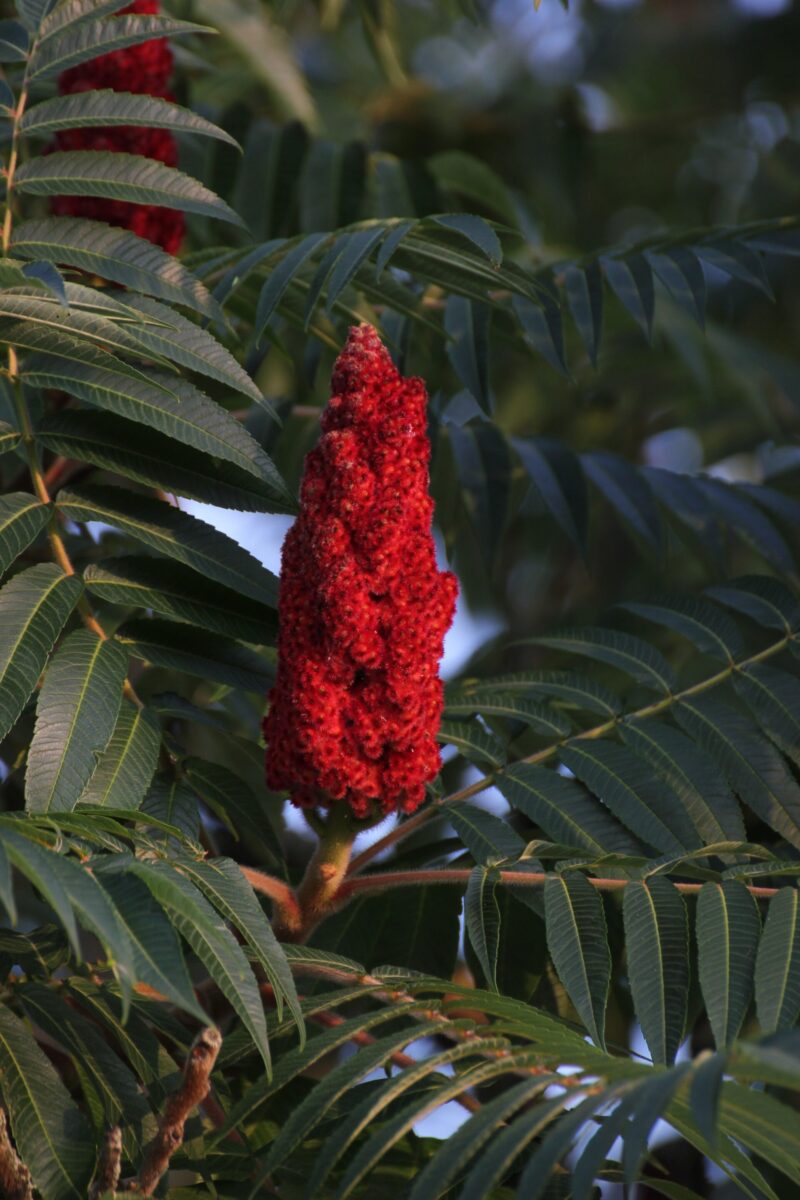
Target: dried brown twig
<point>15,1178</point>
<point>193,1089</point>
<point>108,1169</point>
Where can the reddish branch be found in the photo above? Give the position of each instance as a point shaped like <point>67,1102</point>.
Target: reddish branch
<point>15,1178</point>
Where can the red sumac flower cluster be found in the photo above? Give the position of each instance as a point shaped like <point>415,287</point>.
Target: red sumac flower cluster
<point>363,607</point>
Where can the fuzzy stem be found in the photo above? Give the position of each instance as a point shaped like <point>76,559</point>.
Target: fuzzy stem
<point>328,865</point>
<point>324,874</point>
<point>460,876</point>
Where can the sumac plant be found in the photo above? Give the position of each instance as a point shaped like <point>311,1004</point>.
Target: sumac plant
<point>242,817</point>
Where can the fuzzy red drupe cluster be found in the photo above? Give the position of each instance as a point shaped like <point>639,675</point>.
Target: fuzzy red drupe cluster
<point>363,608</point>
<point>145,68</point>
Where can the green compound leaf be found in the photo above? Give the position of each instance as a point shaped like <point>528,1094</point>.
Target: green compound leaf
<point>222,660</point>
<point>475,230</point>
<point>9,438</point>
<point>113,254</point>
<point>157,955</point>
<point>563,809</point>
<point>42,322</point>
<point>14,41</point>
<point>68,43</point>
<point>696,779</point>
<point>707,627</point>
<point>213,943</point>
<point>172,406</point>
<point>108,1085</point>
<point>584,288</point>
<point>482,916</point>
<point>625,783</point>
<point>223,883</point>
<point>636,658</point>
<point>126,449</point>
<point>485,835</point>
<point>473,741</point>
<point>169,590</point>
<point>541,717</point>
<point>96,912</point>
<point>169,333</point>
<point>60,16</point>
<point>175,534</point>
<point>172,806</point>
<point>753,766</point>
<point>36,864</point>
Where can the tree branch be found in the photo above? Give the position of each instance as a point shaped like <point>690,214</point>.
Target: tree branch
<point>193,1089</point>
<point>400,832</point>
<point>109,1166</point>
<point>297,913</point>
